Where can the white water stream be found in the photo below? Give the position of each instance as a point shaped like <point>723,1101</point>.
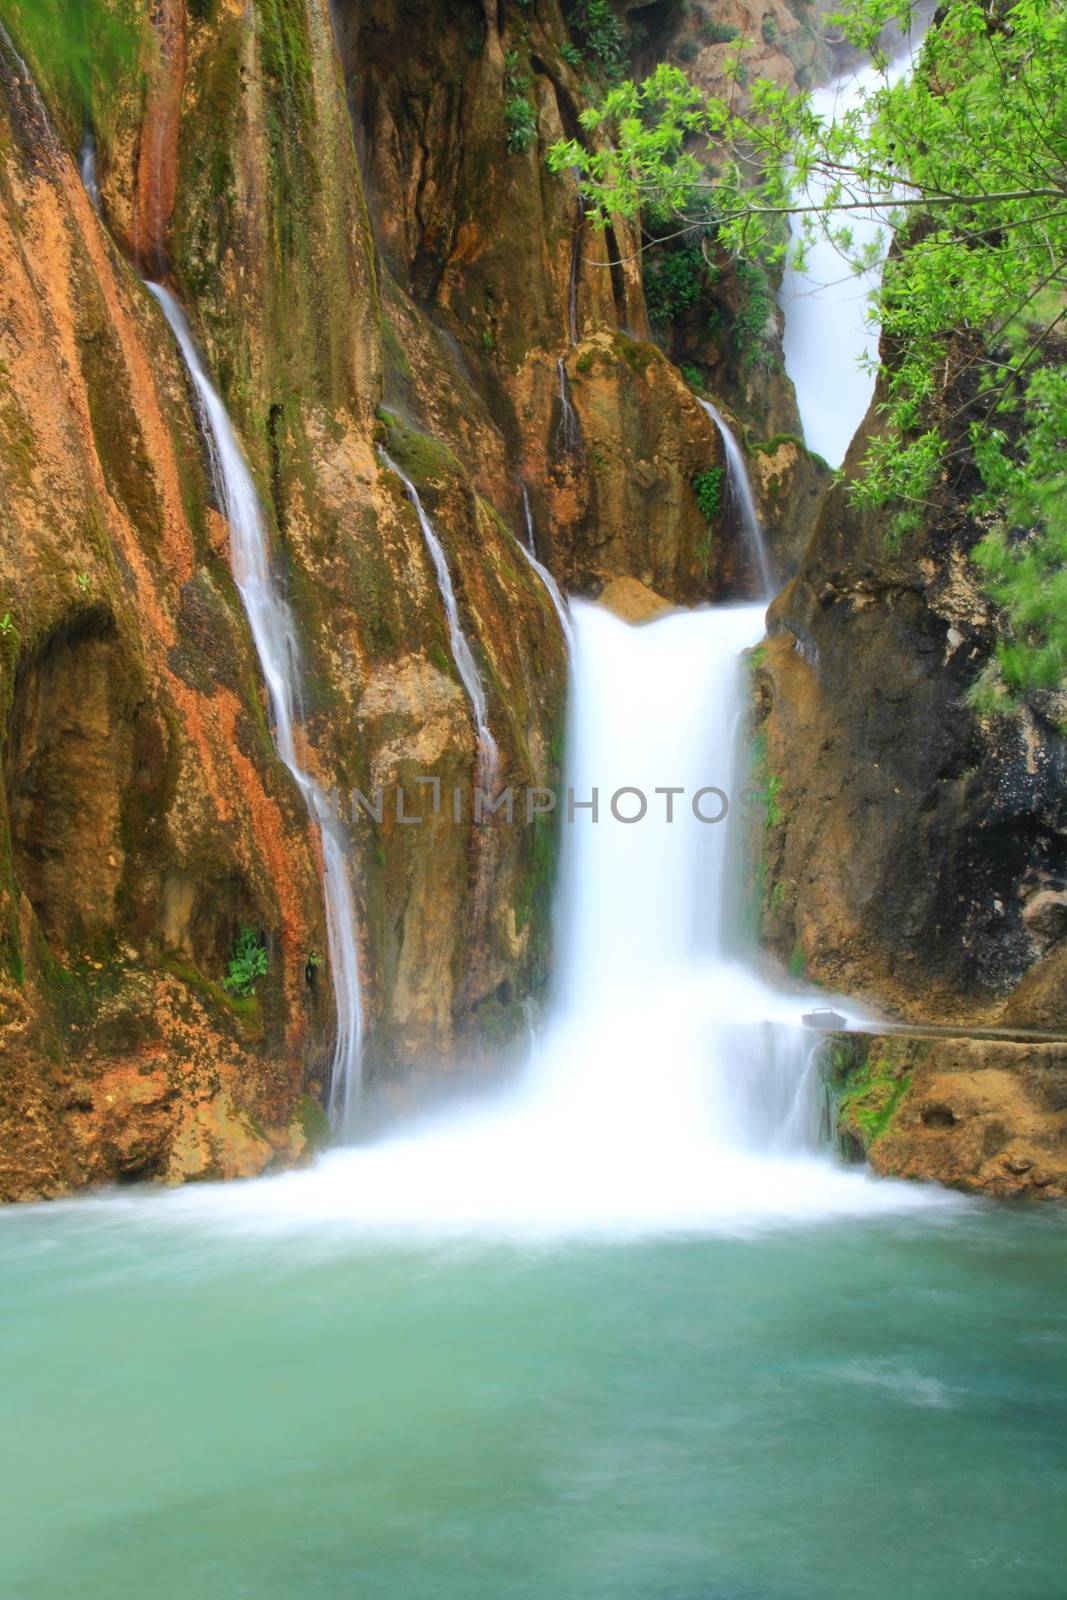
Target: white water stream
<point>830,343</point>
<point>470,677</point>
<point>274,635</point>
<point>555,593</point>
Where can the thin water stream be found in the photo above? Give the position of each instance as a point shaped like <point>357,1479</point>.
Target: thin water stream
<point>274,635</point>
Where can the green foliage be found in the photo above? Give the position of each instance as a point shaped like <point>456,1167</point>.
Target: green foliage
<point>571,54</point>
<point>601,35</point>
<point>77,46</point>
<point>520,120</point>
<point>248,963</point>
<point>769,29</point>
<point>754,319</point>
<point>707,486</point>
<point>1024,557</point>
<point>674,280</point>
<point>713,31</point>
<point>966,160</point>
<point>520,123</point>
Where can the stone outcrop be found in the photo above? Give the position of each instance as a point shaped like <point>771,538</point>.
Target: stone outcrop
<point>983,1115</point>
<point>908,838</point>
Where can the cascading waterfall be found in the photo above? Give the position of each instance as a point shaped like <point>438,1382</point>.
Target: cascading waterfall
<point>488,753</point>
<point>741,494</point>
<point>274,635</point>
<point>830,344</point>
<point>555,594</point>
<point>669,1088</point>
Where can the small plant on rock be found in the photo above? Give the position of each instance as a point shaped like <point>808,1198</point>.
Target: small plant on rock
<point>248,963</point>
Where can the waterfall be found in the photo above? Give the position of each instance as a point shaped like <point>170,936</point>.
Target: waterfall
<point>669,1088</point>
<point>274,635</point>
<point>741,493</point>
<point>567,434</point>
<point>488,754</point>
<point>830,344</point>
<point>555,594</point>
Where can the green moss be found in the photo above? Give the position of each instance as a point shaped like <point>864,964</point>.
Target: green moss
<point>245,1008</point>
<point>75,993</point>
<point>638,355</point>
<point>421,458</point>
<point>869,1088</point>
<point>393,351</point>
<point>314,1122</point>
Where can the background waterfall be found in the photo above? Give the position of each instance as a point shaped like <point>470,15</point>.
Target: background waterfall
<point>555,593</point>
<point>274,635</point>
<point>471,678</point>
<point>741,493</point>
<point>830,343</point>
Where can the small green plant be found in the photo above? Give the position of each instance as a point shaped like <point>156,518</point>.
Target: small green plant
<point>693,376</point>
<point>707,486</point>
<point>755,316</point>
<point>601,33</point>
<point>85,583</point>
<point>769,29</point>
<point>8,629</point>
<point>248,963</point>
<point>713,32</point>
<point>571,54</point>
<point>520,122</point>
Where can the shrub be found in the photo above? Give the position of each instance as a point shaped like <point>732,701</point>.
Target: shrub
<point>713,32</point>
<point>673,283</point>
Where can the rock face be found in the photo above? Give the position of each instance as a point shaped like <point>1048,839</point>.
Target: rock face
<point>913,851</point>
<point>146,815</point>
<point>977,1114</point>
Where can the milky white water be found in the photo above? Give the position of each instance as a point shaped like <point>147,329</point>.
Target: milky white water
<point>830,342</point>
<point>274,635</point>
<point>669,1089</point>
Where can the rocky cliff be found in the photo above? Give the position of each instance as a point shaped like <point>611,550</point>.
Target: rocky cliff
<point>370,256</point>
